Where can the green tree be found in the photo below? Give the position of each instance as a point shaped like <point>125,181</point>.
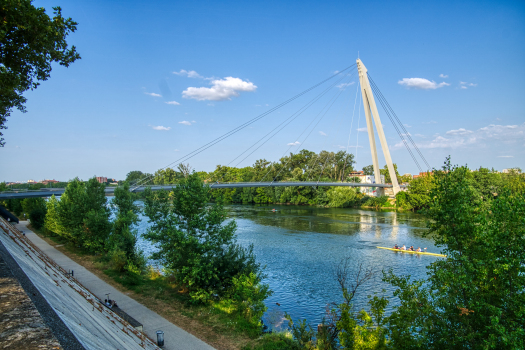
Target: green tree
<point>51,222</point>
<point>84,215</point>
<point>35,209</point>
<point>194,242</point>
<point>124,235</point>
<point>30,41</point>
<point>368,170</point>
<point>474,298</point>
<point>386,173</point>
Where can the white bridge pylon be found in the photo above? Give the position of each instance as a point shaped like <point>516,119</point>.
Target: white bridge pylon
<point>370,107</point>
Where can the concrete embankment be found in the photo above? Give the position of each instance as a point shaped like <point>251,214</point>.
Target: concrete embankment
<point>76,300</point>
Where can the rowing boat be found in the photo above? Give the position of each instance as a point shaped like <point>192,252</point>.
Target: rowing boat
<point>413,252</point>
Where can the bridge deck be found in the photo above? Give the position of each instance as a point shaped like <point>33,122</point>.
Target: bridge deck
<point>48,192</point>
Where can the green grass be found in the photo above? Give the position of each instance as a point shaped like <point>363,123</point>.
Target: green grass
<point>274,341</point>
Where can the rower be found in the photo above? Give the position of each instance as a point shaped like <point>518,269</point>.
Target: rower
<point>411,248</point>
<point>418,250</point>
<point>403,247</point>
<point>396,246</point>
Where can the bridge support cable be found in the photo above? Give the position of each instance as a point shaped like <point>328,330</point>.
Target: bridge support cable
<point>328,106</point>
<point>283,124</point>
<point>397,128</point>
<point>328,156</point>
<point>358,123</point>
<point>402,126</point>
<point>311,164</point>
<point>351,127</point>
<point>242,126</point>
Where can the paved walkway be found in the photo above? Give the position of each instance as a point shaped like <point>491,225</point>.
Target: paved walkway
<point>174,337</point>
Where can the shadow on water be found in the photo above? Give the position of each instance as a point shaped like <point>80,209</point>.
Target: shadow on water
<point>301,246</point>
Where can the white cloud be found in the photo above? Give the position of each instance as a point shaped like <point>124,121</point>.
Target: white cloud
<point>193,121</point>
<point>175,103</point>
<point>185,122</point>
<point>153,94</point>
<point>342,86</point>
<point>189,74</point>
<point>323,133</point>
<point>505,156</point>
<point>160,127</point>
<point>421,83</point>
<point>408,126</point>
<point>464,84</point>
<point>459,131</point>
<point>176,150</point>
<point>419,135</point>
<point>489,136</point>
<point>362,129</point>
<point>223,89</point>
<point>296,143</point>
<point>443,76</point>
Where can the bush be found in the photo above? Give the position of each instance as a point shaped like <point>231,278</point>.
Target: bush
<point>37,217</point>
<point>248,295</point>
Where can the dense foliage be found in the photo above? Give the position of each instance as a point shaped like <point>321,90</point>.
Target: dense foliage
<point>197,246</point>
<point>475,298</point>
<point>30,41</point>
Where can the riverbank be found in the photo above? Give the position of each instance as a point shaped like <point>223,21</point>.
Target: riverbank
<point>212,324</point>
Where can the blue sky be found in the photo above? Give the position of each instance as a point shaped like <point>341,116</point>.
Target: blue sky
<point>453,71</point>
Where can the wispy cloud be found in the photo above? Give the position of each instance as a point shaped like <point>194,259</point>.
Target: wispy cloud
<point>362,129</point>
<point>344,85</point>
<point>222,89</point>
<point>505,156</point>
<point>185,122</point>
<point>419,135</point>
<point>459,131</point>
<point>153,94</point>
<point>322,133</point>
<point>443,76</point>
<point>465,85</point>
<point>488,135</point>
<point>421,84</point>
<point>188,73</point>
<point>408,126</point>
<point>296,143</point>
<point>160,127</point>
<point>176,150</point>
<point>175,103</point>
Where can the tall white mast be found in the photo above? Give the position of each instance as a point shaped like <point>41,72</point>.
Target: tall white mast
<point>370,107</point>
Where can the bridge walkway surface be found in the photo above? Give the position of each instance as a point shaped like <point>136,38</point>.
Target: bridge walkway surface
<point>174,337</point>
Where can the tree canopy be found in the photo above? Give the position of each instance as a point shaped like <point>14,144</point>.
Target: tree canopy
<point>30,41</point>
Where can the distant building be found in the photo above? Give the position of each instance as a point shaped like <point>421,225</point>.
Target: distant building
<point>46,182</point>
<point>408,175</point>
<point>368,179</point>
<point>102,179</point>
<point>422,174</point>
<point>31,181</point>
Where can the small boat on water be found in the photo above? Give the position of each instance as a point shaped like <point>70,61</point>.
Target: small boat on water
<point>413,252</point>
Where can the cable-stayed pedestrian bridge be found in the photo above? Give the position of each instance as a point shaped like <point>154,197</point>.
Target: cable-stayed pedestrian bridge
<point>315,169</point>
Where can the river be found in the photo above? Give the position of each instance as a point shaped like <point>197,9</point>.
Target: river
<point>301,246</point>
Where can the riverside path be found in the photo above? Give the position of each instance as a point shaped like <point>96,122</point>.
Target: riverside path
<point>174,337</point>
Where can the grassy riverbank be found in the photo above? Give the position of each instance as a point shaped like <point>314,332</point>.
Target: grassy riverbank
<point>214,323</point>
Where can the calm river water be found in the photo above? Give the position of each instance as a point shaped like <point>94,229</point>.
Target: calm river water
<point>301,246</point>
